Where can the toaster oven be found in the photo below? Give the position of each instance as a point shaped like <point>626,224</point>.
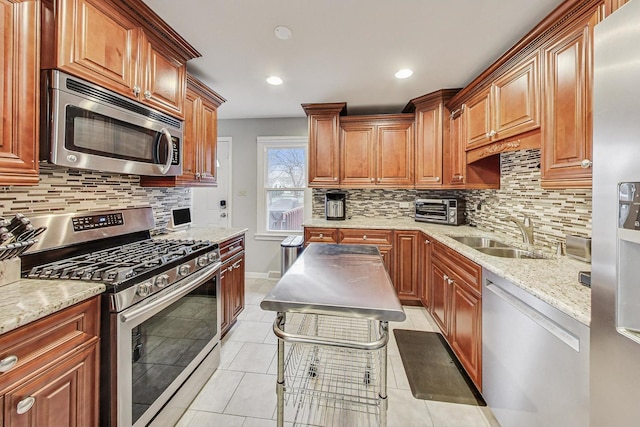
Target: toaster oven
<point>449,211</point>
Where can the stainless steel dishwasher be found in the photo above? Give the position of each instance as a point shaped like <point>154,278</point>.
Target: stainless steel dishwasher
<point>333,309</point>
<point>535,359</point>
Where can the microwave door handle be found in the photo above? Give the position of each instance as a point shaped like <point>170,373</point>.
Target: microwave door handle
<point>167,165</point>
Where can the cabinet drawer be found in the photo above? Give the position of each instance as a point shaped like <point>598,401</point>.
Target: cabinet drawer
<point>467,270</point>
<point>320,235</point>
<point>366,237</point>
<point>39,343</point>
<point>231,247</point>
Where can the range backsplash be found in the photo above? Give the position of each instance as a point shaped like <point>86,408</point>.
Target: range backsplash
<point>68,190</point>
<point>554,213</point>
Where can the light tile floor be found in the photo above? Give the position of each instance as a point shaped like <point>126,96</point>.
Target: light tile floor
<point>242,391</point>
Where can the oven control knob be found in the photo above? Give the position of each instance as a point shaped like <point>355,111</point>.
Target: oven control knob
<point>144,289</point>
<point>184,270</point>
<point>202,261</point>
<point>162,281</point>
<point>212,257</point>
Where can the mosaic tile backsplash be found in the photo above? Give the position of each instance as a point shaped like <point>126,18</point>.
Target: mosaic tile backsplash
<point>555,213</point>
<point>68,190</point>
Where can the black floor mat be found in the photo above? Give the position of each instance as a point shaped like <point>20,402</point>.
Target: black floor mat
<point>433,371</point>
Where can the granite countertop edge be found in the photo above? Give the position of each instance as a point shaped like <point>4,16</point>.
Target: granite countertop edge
<point>553,280</point>
<point>27,300</point>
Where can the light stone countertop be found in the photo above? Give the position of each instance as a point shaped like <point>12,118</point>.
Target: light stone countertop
<point>553,280</point>
<point>27,300</point>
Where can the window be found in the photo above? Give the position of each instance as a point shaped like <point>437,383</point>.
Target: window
<point>283,196</point>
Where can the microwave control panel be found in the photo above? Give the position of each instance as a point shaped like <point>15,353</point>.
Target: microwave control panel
<point>629,205</point>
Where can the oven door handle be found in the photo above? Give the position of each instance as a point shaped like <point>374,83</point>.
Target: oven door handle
<point>177,291</point>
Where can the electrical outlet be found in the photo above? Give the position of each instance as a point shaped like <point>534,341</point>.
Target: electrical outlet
<point>405,205</point>
<point>242,193</point>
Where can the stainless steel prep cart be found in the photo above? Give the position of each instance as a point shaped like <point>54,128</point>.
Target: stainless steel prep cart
<point>339,299</point>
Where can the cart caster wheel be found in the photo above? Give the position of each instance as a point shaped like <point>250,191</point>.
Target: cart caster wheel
<point>313,370</point>
<point>367,377</point>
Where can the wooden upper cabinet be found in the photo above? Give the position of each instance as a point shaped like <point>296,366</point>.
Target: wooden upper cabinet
<point>376,151</point>
<point>477,119</point>
<point>97,43</point>
<point>432,137</point>
<point>163,80</point>
<point>509,107</point>
<point>567,128</point>
<point>324,146</point>
<point>454,154</point>
<point>515,99</point>
<point>200,140</point>
<point>19,92</point>
<point>127,49</point>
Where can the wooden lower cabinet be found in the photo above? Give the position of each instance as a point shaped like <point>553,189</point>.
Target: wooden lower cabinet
<point>456,306</point>
<point>406,271</point>
<point>424,266</point>
<point>55,381</point>
<point>232,275</point>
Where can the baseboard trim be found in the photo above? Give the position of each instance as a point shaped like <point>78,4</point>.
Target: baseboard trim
<point>271,275</point>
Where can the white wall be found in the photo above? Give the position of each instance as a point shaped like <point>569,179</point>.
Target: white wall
<point>261,256</point>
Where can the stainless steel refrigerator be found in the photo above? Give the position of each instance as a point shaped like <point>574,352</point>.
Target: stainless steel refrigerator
<point>615,294</point>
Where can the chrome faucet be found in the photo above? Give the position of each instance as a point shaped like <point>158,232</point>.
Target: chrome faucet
<point>526,228</point>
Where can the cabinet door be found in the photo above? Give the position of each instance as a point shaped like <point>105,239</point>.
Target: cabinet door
<point>63,395</point>
<point>429,153</point>
<point>237,292</point>
<point>395,154</point>
<point>226,284</point>
<point>425,271</point>
<point>208,144</point>
<point>98,44</point>
<point>386,251</point>
<point>19,89</point>
<point>465,335</point>
<point>324,150</point>
<point>567,129</point>
<point>164,79</point>
<point>439,308</point>
<point>476,118</point>
<point>515,104</point>
<point>611,6</point>
<point>406,271</point>
<point>357,155</point>
<point>454,163</point>
<point>190,137</point>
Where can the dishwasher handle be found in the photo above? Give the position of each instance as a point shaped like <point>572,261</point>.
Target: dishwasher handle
<point>549,325</point>
<point>278,329</point>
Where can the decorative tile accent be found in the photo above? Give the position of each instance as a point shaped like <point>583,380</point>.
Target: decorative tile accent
<point>554,213</point>
<point>70,190</point>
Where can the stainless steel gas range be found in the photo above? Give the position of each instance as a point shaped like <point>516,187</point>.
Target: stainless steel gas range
<point>160,319</point>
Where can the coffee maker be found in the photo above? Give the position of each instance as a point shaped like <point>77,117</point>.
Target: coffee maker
<point>335,205</point>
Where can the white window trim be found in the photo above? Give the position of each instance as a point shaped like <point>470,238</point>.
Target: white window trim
<point>262,143</point>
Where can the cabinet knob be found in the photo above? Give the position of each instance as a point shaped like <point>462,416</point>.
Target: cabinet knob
<point>8,363</point>
<point>197,174</point>
<point>437,178</point>
<point>136,90</point>
<point>586,164</point>
<point>491,134</point>
<point>427,242</point>
<point>445,277</point>
<point>373,180</point>
<point>335,178</point>
<point>25,404</point>
<point>147,94</point>
<point>364,237</point>
<point>321,235</point>
<point>450,281</point>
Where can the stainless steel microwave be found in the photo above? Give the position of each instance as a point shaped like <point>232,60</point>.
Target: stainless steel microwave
<point>85,126</point>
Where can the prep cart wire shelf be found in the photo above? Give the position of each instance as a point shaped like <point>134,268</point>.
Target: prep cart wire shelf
<point>334,372</point>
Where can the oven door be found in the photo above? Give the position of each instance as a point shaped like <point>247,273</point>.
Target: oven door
<point>162,340</point>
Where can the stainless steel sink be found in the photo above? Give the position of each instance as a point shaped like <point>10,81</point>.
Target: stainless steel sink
<point>479,242</point>
<point>488,246</point>
<point>508,252</point>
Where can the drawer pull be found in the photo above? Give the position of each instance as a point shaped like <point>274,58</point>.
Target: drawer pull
<point>8,363</point>
<point>25,404</point>
<point>364,237</point>
<point>321,235</point>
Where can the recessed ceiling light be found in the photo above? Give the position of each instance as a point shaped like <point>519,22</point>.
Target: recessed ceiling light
<point>274,80</point>
<point>282,32</point>
<point>404,73</point>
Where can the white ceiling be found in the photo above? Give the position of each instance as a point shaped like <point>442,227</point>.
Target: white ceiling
<point>343,50</point>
